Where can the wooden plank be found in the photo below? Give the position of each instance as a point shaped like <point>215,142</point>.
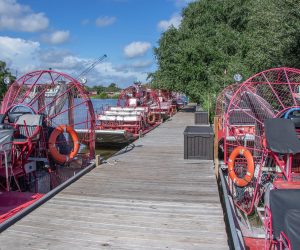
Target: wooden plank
<point>145,197</point>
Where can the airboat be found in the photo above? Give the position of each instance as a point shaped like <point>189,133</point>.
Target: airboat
<point>39,144</point>
<point>138,111</point>
<point>258,124</point>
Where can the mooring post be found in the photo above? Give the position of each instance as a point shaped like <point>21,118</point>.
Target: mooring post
<point>98,160</point>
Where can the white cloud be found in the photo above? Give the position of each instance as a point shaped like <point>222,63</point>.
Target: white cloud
<point>19,54</point>
<point>105,21</point>
<point>136,49</point>
<point>53,55</point>
<point>25,56</point>
<point>57,37</point>
<point>142,64</point>
<point>175,21</point>
<point>135,66</point>
<point>110,73</point>
<point>67,63</point>
<point>17,17</point>
<point>182,3</point>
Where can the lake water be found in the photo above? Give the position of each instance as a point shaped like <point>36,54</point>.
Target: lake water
<point>99,104</point>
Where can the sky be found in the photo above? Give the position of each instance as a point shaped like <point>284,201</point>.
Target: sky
<point>69,35</point>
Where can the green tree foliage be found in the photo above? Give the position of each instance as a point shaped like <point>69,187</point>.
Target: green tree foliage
<point>112,88</point>
<point>102,95</point>
<point>101,89</point>
<point>102,92</point>
<point>4,72</point>
<point>98,88</point>
<point>220,38</point>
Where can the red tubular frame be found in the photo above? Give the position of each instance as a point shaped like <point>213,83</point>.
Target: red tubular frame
<point>147,98</point>
<point>280,84</point>
<point>283,241</point>
<point>44,80</point>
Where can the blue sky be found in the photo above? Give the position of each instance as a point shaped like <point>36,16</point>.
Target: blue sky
<point>68,35</point>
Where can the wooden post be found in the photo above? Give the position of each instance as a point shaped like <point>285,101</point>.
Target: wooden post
<point>216,146</point>
<point>98,160</point>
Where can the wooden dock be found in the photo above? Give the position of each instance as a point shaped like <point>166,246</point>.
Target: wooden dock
<point>147,197</point>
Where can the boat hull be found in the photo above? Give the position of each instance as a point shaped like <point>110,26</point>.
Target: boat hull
<point>110,137</point>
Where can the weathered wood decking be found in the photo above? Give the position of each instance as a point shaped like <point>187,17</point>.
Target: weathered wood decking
<point>146,198</point>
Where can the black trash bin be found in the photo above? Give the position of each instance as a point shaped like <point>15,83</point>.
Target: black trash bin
<point>198,142</point>
<point>189,108</point>
<point>201,118</point>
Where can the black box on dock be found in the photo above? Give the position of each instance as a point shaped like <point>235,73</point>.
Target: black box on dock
<point>191,107</point>
<point>198,142</point>
<point>201,118</point>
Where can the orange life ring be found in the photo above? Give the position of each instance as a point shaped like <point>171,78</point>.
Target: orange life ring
<point>241,182</point>
<point>57,156</point>
<point>151,118</point>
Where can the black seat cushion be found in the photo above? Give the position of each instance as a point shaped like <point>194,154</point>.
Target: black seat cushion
<point>296,120</point>
<point>281,202</point>
<point>292,227</point>
<point>281,136</point>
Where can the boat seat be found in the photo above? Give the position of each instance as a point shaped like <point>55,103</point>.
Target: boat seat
<point>285,209</point>
<point>13,117</point>
<point>129,109</point>
<point>133,102</point>
<point>291,226</point>
<point>124,113</point>
<point>28,126</point>
<point>107,117</point>
<point>118,118</point>
<point>145,109</point>
<point>281,136</point>
<point>6,139</point>
<point>296,120</point>
<point>165,105</point>
<point>116,108</point>
<point>132,118</point>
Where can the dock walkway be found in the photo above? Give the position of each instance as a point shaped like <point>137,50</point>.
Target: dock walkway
<point>147,197</point>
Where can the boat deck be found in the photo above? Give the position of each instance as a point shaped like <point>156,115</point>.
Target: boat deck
<point>146,197</point>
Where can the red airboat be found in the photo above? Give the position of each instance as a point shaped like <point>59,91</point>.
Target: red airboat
<point>258,134</point>
<point>39,144</point>
<point>168,105</point>
<point>137,112</point>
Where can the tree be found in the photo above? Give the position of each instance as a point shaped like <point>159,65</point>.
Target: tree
<point>112,88</point>
<point>4,72</point>
<point>217,39</point>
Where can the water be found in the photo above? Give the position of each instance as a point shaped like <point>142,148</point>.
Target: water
<point>99,104</point>
<point>80,115</point>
